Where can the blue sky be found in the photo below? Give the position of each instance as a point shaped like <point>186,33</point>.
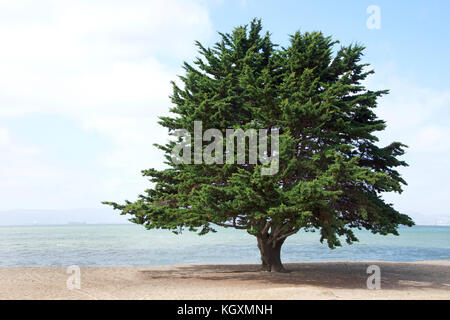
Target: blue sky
<point>82,84</point>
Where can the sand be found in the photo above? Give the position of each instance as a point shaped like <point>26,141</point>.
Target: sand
<point>318,280</point>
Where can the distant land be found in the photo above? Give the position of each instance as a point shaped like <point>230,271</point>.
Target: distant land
<point>430,219</point>
<point>108,216</point>
<point>61,217</point>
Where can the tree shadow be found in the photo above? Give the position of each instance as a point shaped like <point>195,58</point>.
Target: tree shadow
<point>338,275</point>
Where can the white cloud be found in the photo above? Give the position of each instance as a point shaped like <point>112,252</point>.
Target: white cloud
<point>105,64</point>
<point>86,57</point>
<point>9,147</point>
<point>433,138</point>
<point>29,178</point>
<point>419,117</point>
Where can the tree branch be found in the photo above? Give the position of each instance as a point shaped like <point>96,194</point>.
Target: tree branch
<point>230,225</point>
<point>266,227</point>
<point>287,235</point>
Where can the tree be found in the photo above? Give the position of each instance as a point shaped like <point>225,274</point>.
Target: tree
<point>331,172</point>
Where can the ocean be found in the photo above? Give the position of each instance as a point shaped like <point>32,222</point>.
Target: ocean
<point>133,245</point>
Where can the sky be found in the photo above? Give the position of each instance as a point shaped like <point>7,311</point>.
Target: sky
<point>82,84</point>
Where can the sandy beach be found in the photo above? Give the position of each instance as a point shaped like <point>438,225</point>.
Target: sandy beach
<point>319,280</point>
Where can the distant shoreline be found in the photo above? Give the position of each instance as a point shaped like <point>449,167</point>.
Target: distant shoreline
<point>128,224</point>
<point>69,225</point>
<point>307,280</point>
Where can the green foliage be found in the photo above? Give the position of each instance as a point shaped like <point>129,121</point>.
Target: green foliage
<point>332,173</point>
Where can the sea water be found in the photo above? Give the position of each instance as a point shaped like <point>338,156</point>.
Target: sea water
<point>133,245</point>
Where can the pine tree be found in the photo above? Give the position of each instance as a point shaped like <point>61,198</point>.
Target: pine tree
<point>331,171</point>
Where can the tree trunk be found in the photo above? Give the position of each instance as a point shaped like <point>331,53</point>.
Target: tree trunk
<point>270,255</point>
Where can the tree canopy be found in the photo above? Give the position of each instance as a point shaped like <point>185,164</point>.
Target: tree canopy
<point>332,172</point>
